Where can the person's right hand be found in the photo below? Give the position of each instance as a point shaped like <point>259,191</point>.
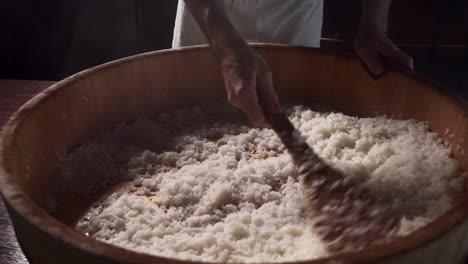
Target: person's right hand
<point>249,83</point>
<point>247,78</point>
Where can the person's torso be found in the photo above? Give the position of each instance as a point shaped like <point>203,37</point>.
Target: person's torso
<point>296,22</point>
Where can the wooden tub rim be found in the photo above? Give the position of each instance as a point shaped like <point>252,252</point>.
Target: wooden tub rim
<point>21,203</point>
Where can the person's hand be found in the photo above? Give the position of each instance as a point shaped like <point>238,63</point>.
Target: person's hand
<point>249,83</point>
<point>372,46</point>
<point>247,78</point>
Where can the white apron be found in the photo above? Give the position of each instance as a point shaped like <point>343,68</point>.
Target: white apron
<point>293,22</point>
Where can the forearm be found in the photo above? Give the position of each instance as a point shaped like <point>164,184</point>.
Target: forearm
<point>374,15</point>
<point>214,22</point>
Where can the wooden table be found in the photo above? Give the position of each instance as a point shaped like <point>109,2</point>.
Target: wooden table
<point>14,93</point>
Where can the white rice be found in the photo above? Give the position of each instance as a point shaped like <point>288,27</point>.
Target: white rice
<point>204,186</point>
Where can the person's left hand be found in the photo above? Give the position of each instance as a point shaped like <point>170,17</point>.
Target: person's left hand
<point>371,46</point>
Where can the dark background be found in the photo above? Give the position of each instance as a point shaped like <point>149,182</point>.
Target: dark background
<point>51,39</point>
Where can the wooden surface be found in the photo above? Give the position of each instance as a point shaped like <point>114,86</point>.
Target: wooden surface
<point>79,106</point>
<point>13,93</point>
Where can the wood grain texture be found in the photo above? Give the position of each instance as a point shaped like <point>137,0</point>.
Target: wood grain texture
<point>13,93</point>
<point>74,110</point>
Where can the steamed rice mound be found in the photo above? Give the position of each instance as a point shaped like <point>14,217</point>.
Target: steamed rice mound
<point>203,185</point>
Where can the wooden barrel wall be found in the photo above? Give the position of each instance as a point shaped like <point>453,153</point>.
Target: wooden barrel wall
<point>98,98</point>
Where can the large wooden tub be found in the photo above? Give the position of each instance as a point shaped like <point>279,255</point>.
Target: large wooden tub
<point>73,110</point>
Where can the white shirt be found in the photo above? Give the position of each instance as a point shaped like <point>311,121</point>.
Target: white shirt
<point>293,22</point>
